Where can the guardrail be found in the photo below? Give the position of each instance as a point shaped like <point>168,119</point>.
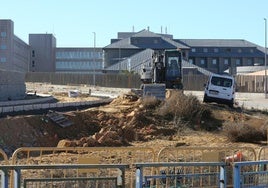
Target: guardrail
<point>101,179</point>
<point>181,174</point>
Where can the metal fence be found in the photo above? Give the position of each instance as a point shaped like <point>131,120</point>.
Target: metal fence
<point>84,155</point>
<point>208,154</point>
<point>108,176</point>
<point>171,166</point>
<point>181,174</point>
<point>250,174</point>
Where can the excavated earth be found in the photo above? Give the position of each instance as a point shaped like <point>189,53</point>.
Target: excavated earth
<point>124,122</point>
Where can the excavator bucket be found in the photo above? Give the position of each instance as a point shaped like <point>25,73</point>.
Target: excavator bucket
<point>173,92</point>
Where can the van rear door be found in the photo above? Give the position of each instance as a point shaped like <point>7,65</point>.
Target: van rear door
<point>221,87</point>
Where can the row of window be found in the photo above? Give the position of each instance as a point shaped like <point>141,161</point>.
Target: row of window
<point>216,50</point>
<point>78,55</point>
<point>215,61</point>
<point>83,65</point>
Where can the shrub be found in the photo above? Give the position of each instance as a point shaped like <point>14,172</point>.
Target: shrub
<point>185,107</point>
<point>239,132</point>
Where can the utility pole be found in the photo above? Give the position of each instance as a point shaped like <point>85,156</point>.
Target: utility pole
<point>94,61</point>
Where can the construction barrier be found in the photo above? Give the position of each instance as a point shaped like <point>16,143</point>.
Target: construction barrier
<point>181,174</point>
<point>208,154</point>
<point>263,153</point>
<point>3,157</point>
<point>109,176</point>
<point>3,161</point>
<point>250,174</point>
<point>85,155</point>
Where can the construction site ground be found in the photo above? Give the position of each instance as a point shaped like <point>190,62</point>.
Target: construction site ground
<point>123,122</point>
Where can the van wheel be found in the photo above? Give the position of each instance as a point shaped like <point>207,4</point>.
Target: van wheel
<point>231,104</point>
<point>205,99</point>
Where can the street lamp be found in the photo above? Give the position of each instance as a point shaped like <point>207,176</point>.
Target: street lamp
<point>265,58</point>
<point>94,60</point>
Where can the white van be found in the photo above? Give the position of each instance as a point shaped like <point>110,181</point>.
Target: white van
<point>220,89</point>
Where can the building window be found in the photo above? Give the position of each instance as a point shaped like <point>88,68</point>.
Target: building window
<point>214,61</point>
<point>33,63</point>
<point>3,47</point>
<point>191,61</point>
<point>228,49</point>
<point>205,50</point>
<point>237,62</point>
<point>3,59</point>
<point>251,50</point>
<point>203,62</point>
<point>155,41</point>
<point>3,34</point>
<point>239,50</point>
<point>249,62</point>
<point>193,50</point>
<point>216,50</point>
<point>226,61</point>
<point>33,53</point>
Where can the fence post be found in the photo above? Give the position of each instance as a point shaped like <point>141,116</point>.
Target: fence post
<point>4,178</point>
<point>223,179</point>
<point>236,171</point>
<point>139,177</point>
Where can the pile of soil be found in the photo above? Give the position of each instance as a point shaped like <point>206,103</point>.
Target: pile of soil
<point>125,121</point>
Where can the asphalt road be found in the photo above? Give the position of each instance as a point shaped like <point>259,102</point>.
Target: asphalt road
<point>245,100</point>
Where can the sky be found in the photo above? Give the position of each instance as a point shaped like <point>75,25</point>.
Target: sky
<point>74,22</point>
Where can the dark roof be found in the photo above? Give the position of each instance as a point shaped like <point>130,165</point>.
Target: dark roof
<point>128,43</point>
<point>216,42</point>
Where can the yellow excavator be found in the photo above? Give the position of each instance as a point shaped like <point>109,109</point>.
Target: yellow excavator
<point>164,75</point>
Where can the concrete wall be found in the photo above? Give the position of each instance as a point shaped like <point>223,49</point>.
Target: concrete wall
<point>12,85</point>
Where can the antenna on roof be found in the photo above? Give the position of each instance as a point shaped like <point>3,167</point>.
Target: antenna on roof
<point>166,29</point>
<point>161,29</point>
<point>133,29</point>
<point>148,28</point>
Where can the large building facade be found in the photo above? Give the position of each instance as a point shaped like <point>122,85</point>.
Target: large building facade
<point>82,60</point>
<point>217,55</point>
<point>14,53</point>
<point>213,55</point>
<point>43,52</point>
<point>14,61</point>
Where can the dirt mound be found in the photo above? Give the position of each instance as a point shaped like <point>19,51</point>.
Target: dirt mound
<point>125,121</point>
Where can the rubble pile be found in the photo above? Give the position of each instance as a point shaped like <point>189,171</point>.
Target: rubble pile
<point>128,121</point>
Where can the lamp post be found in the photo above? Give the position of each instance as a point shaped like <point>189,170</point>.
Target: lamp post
<point>265,58</point>
<point>94,60</point>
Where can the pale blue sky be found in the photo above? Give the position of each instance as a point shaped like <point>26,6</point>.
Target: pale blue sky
<point>74,21</point>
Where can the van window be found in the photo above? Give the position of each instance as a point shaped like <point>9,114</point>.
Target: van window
<point>223,82</point>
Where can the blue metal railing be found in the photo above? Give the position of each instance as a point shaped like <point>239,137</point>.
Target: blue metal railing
<point>250,174</point>
<point>17,178</point>
<point>181,173</point>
